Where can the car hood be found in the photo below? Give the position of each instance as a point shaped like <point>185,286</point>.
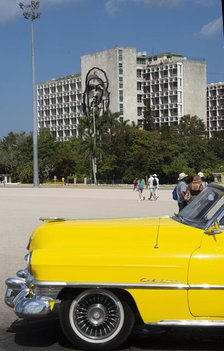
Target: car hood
<point>104,234</point>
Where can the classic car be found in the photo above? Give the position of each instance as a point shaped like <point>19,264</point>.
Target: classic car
<point>108,275</point>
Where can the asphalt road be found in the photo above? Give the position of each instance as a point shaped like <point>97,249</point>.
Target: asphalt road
<point>20,209</point>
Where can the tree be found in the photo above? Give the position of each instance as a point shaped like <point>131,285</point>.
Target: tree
<point>47,149</point>
<point>148,120</point>
<point>191,126</point>
<point>14,153</point>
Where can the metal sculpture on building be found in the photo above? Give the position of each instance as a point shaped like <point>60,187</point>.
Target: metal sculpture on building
<point>96,95</point>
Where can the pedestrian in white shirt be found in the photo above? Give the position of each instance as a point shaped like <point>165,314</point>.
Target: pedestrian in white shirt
<point>151,189</point>
<point>155,184</point>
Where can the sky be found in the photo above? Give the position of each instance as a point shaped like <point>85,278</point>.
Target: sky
<point>69,29</point>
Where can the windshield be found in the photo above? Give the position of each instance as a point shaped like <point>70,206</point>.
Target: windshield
<point>202,209</point>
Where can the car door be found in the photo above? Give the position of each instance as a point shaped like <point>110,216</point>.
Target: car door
<point>164,273</point>
<point>206,276</point>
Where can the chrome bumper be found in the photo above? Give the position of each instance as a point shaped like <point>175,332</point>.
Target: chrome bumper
<point>20,297</point>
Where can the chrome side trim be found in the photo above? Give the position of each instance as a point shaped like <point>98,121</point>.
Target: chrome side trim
<point>189,323</point>
<point>178,286</point>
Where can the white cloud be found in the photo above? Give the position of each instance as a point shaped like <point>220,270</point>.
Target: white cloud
<point>212,28</point>
<point>9,9</point>
<point>112,6</point>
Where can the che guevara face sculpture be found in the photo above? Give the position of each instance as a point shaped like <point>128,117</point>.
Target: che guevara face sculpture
<point>96,95</point>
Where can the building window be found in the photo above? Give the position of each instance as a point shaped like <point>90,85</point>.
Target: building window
<point>141,60</point>
<point>121,97</point>
<point>139,86</point>
<point>120,55</point>
<point>73,120</point>
<point>140,123</point>
<point>120,68</point>
<point>139,98</point>
<point>139,73</point>
<point>73,97</point>
<point>139,111</point>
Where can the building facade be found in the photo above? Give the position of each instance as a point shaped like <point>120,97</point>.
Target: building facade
<point>172,87</point>
<point>59,106</point>
<point>126,82</point>
<point>215,107</point>
<point>119,66</point>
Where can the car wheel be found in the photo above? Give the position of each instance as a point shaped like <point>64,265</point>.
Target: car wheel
<point>96,319</point>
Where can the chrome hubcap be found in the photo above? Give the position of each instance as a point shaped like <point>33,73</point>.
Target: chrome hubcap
<point>97,315</point>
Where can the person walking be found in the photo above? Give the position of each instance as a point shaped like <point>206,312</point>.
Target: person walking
<point>141,185</point>
<point>182,187</point>
<point>150,187</point>
<point>155,184</point>
<point>135,184</point>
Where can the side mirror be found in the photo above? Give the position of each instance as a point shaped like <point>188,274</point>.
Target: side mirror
<point>213,229</point>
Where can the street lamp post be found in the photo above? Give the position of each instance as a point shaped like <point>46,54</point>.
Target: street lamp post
<point>94,161</point>
<point>30,11</point>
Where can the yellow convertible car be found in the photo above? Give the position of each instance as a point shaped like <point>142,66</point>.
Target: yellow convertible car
<point>108,275</point>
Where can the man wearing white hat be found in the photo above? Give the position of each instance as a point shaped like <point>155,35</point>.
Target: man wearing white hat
<point>181,190</point>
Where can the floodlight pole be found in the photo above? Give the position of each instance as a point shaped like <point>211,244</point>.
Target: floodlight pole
<point>94,161</point>
<point>30,12</point>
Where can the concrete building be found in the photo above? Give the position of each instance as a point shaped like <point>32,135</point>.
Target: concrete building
<point>59,105</point>
<point>215,107</point>
<point>119,65</point>
<point>126,82</point>
<point>172,86</point>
